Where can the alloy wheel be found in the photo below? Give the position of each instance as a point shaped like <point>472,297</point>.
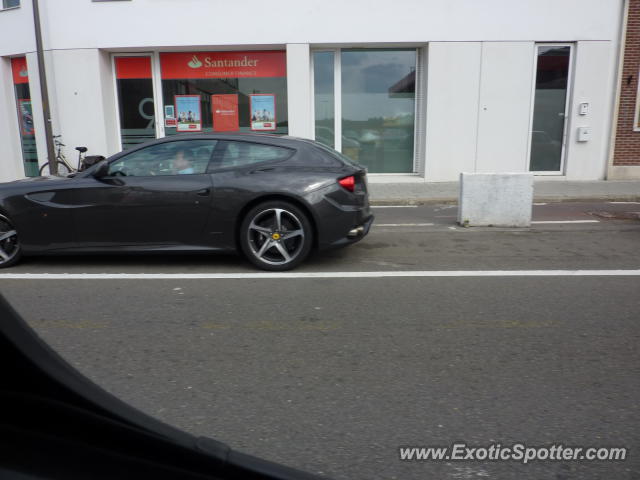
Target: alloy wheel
<point>9,246</point>
<point>276,236</point>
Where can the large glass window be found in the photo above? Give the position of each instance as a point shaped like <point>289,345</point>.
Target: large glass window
<point>374,100</point>
<point>378,108</point>
<point>225,91</point>
<point>135,100</point>
<point>550,108</point>
<point>25,116</point>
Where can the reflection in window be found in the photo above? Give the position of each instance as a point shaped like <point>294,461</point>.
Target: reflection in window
<point>237,154</point>
<point>323,82</point>
<point>549,111</point>
<point>378,108</point>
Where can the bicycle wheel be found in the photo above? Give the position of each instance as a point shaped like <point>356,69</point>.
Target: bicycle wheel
<point>63,170</point>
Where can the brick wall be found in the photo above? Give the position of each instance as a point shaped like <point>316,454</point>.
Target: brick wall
<point>627,146</point>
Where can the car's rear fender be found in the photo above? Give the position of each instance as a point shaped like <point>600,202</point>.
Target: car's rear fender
<point>301,204</point>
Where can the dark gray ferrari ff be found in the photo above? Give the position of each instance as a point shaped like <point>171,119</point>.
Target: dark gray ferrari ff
<point>273,198</point>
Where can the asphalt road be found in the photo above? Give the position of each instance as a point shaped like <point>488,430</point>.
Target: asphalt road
<point>332,375</point>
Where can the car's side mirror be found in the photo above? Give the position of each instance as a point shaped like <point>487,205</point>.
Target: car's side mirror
<point>102,170</point>
<point>91,160</point>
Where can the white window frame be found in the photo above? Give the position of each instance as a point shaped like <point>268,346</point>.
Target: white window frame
<point>159,121</point>
<point>567,108</point>
<point>418,135</point>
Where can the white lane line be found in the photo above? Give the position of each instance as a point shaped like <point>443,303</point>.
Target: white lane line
<point>285,275</point>
<point>403,224</point>
<point>536,222</point>
<point>394,206</point>
<point>540,203</point>
<point>565,221</point>
<point>626,203</point>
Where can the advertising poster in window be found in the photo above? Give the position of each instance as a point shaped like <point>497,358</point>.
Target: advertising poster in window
<point>188,113</point>
<point>263,111</point>
<point>170,116</point>
<point>225,113</point>
<point>26,116</point>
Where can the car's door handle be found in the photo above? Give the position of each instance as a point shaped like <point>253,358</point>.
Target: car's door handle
<point>204,192</point>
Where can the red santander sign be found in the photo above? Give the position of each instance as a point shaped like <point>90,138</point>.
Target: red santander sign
<point>223,64</point>
<point>19,70</point>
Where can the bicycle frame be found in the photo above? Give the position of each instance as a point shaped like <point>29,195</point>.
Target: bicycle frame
<point>60,158</point>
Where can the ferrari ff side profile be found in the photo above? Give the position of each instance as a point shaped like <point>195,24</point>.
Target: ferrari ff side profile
<point>273,198</point>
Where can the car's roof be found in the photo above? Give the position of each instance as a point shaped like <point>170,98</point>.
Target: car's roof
<point>284,140</point>
<point>270,139</point>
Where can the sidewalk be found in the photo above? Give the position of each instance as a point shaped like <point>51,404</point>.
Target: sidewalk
<point>543,191</point>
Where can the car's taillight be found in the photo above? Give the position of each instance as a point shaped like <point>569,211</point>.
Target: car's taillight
<point>348,182</point>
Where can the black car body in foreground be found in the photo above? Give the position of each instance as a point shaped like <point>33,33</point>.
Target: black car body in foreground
<point>273,198</point>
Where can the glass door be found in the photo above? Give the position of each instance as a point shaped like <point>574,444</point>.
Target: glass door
<point>550,109</point>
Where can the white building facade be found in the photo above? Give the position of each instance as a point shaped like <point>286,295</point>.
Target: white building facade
<point>416,90</point>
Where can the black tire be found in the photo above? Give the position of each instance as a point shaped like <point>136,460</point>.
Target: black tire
<point>63,170</point>
<point>10,252</point>
<point>290,243</point>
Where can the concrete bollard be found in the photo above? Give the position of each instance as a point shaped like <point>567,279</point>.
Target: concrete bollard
<point>495,199</point>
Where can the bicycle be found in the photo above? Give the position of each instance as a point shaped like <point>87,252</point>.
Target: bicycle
<point>64,168</point>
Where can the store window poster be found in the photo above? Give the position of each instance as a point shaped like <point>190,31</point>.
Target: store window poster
<point>263,111</point>
<point>26,116</point>
<point>188,113</point>
<point>225,112</point>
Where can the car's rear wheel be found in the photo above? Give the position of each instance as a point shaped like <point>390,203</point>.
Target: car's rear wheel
<point>9,246</point>
<point>276,236</point>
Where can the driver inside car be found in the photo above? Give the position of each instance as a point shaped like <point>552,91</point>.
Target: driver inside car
<point>182,163</point>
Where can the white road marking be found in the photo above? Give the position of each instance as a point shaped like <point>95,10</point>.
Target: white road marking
<point>565,221</point>
<point>394,206</point>
<point>625,203</point>
<point>403,224</point>
<point>539,203</point>
<point>285,275</point>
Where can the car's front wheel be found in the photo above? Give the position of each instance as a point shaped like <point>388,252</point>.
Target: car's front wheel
<point>276,236</point>
<point>9,246</point>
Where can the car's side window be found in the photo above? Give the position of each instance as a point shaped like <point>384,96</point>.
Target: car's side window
<point>240,154</point>
<point>183,157</point>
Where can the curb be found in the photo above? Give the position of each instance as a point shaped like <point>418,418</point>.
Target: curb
<point>537,198</point>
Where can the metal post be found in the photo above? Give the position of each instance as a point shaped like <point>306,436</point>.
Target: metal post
<point>44,92</point>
